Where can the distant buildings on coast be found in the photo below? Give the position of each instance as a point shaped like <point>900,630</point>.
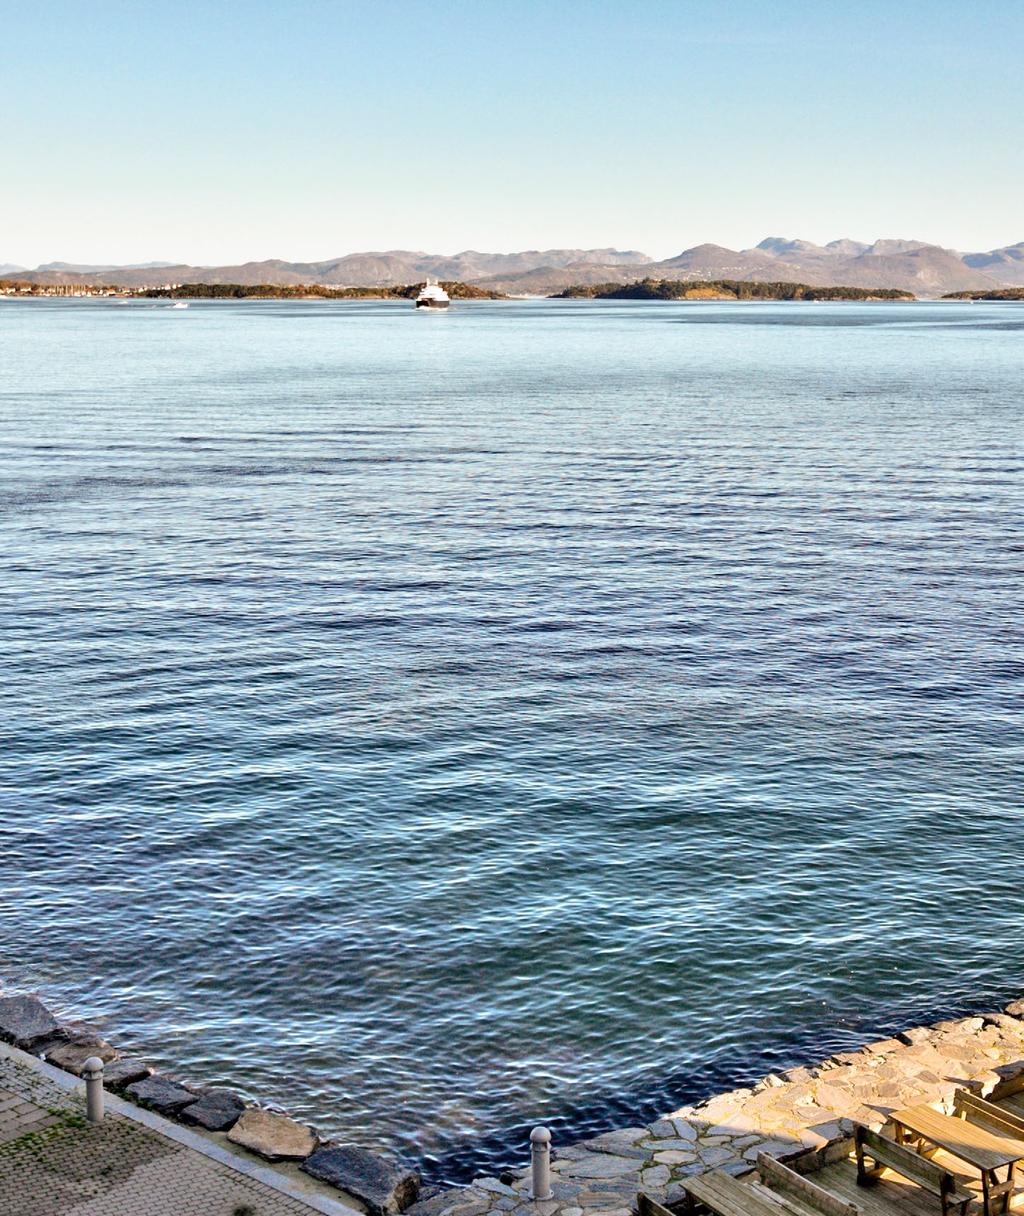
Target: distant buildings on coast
<point>15,287</point>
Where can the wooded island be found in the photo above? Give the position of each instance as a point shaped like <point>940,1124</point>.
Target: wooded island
<point>724,289</point>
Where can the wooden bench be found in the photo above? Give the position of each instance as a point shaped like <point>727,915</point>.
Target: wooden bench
<point>910,1165</point>
<point>986,1114</point>
<point>781,1178</point>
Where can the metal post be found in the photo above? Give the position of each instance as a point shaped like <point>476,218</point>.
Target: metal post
<point>92,1070</point>
<point>540,1162</point>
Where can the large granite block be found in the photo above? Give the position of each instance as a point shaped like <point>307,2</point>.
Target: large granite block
<point>217,1110</point>
<point>275,1137</point>
<point>161,1094</point>
<point>73,1055</point>
<point>25,1020</point>
<point>119,1074</point>
<point>386,1186</point>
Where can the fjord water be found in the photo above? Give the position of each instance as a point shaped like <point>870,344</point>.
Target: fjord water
<point>545,711</point>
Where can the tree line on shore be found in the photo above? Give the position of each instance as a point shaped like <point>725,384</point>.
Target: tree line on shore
<point>267,291</point>
<point>724,289</point>
<point>244,291</point>
<point>999,293</point>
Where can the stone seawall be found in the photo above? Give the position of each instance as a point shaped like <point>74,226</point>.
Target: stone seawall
<point>803,1110</point>
<point>383,1186</point>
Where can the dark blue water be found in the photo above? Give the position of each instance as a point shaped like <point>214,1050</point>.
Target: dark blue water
<point>439,723</point>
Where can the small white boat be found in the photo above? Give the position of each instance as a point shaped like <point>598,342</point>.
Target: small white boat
<point>433,295</point>
<point>180,304</point>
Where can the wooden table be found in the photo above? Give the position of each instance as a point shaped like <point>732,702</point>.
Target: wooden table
<point>983,1149</point>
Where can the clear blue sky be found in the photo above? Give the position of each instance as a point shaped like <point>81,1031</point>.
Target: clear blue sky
<point>235,130</point>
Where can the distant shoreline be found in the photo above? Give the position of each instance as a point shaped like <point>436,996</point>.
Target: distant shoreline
<point>1001,295</point>
<point>671,290</point>
<point>648,290</point>
<point>22,289</point>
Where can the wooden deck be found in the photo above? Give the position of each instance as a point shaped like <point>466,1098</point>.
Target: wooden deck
<point>891,1195</point>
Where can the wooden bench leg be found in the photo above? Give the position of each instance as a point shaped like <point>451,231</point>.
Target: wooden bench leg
<point>862,1178</point>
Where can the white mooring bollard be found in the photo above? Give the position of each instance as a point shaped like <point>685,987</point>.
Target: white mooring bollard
<point>540,1163</point>
<point>92,1070</point>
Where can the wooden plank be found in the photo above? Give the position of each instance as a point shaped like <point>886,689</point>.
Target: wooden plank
<point>890,1196</point>
<point>782,1205</point>
<point>646,1206</point>
<point>980,1148</point>
<point>725,1196</point>
<point>785,1179</point>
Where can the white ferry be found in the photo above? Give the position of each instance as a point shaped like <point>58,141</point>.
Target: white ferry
<point>433,295</point>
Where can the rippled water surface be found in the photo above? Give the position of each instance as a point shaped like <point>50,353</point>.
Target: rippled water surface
<point>439,723</point>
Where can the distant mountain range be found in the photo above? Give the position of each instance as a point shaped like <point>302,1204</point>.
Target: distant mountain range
<point>79,268</point>
<point>924,269</point>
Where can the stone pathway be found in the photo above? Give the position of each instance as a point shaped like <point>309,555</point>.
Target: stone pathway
<point>804,1108</point>
<point>53,1162</point>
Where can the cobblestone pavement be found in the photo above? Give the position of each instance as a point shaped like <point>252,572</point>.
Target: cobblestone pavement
<point>54,1163</point>
<point>803,1109</point>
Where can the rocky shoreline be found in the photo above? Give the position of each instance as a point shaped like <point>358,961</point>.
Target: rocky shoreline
<point>383,1185</point>
<point>799,1111</point>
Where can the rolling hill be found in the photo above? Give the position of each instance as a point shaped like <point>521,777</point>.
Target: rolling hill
<point>1005,265</point>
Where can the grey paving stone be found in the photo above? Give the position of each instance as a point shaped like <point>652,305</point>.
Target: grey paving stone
<point>601,1165</point>
<point>493,1185</point>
